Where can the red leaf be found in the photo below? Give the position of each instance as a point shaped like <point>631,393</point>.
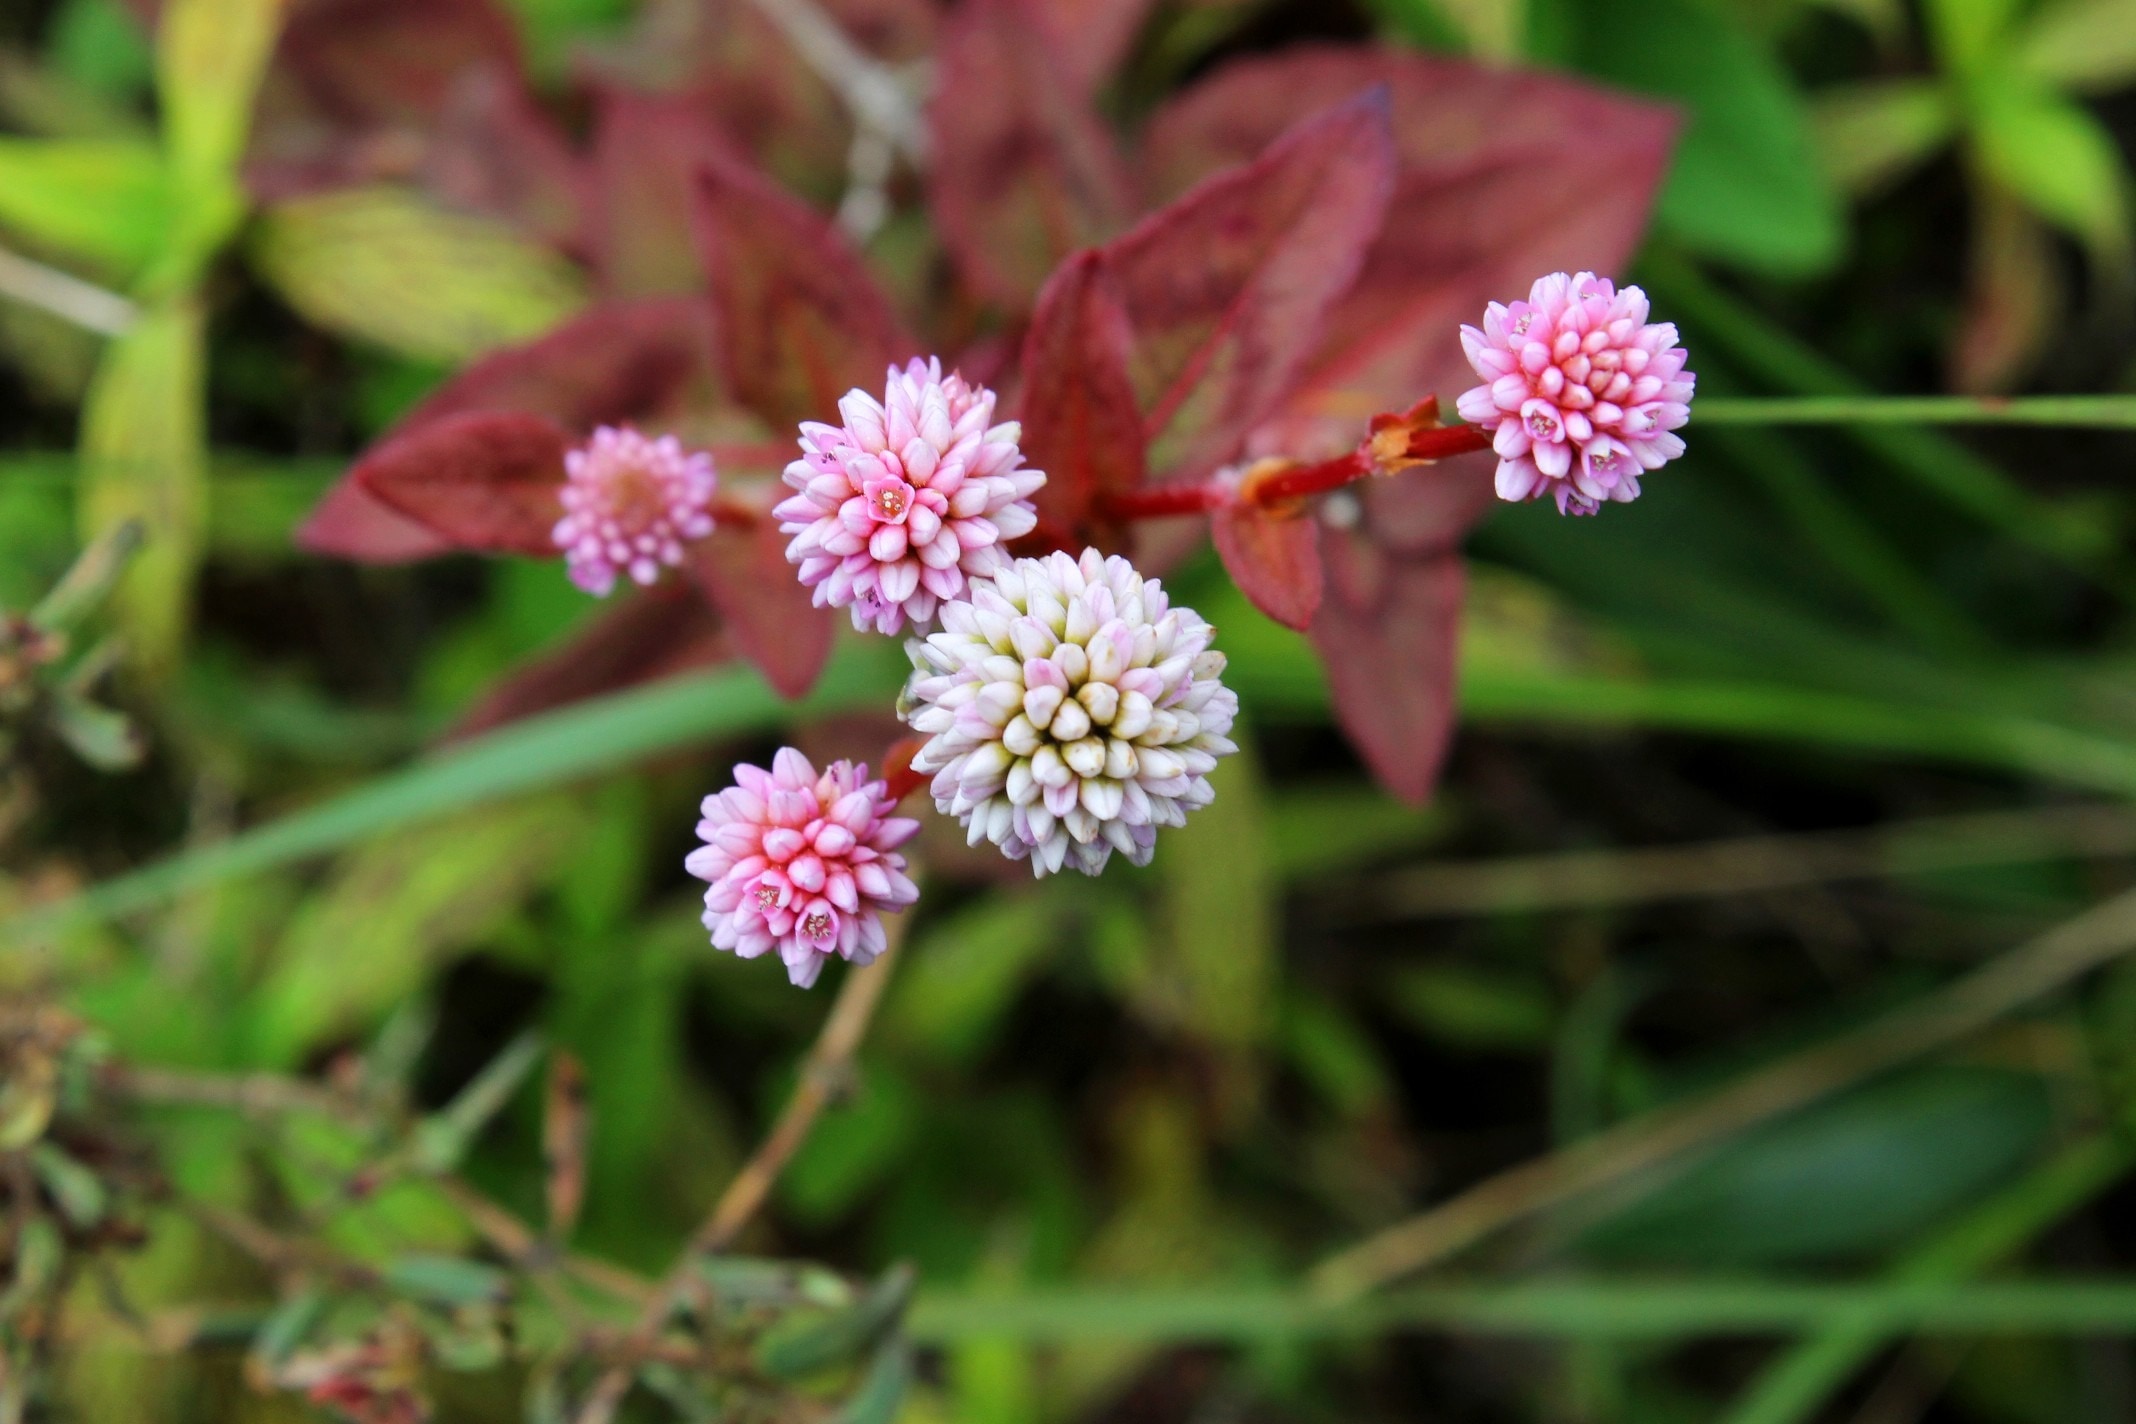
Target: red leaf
<point>799,321</point>
<point>646,362</point>
<point>1081,424</point>
<point>648,636</point>
<point>1092,36</point>
<point>1023,172</point>
<point>494,151</point>
<point>1227,287</point>
<point>1389,624</point>
<point>486,481</point>
<point>647,152</point>
<point>1504,176</point>
<point>769,614</point>
<point>1274,559</point>
<point>352,523</point>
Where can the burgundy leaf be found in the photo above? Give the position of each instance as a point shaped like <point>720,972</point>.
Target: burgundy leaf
<point>485,481</point>
<point>647,153</point>
<point>1081,423</point>
<point>1388,623</point>
<point>1274,559</point>
<point>1227,287</point>
<point>1499,182</point>
<point>1091,37</point>
<point>769,614</point>
<point>645,362</point>
<point>1023,171</point>
<point>494,151</point>
<point>799,320</point>
<point>352,523</point>
<point>648,636</point>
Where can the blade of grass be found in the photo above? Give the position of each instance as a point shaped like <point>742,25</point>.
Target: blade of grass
<point>1596,1309</point>
<point>2086,412</point>
<point>1740,865</point>
<point>1794,1387</point>
<point>557,747</point>
<point>1940,465</point>
<point>1654,1141</point>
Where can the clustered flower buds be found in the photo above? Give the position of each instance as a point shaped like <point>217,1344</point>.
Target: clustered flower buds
<point>802,863</point>
<point>908,499</point>
<point>1070,711</point>
<point>629,505</point>
<point>1582,391</point>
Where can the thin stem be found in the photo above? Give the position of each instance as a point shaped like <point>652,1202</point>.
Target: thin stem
<point>66,297</point>
<point>1643,1144</point>
<point>870,89</point>
<point>2094,412</point>
<point>824,1075</point>
<point>1160,501</point>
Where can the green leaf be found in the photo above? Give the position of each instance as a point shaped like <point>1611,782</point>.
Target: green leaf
<point>100,736</point>
<point>2080,44</point>
<point>447,1280</point>
<point>105,201</point>
<point>1970,35</point>
<point>2055,158</point>
<point>210,55</point>
<point>143,458</point>
<point>883,1390</point>
<point>78,1190</point>
<point>963,975</point>
<point>443,1138</point>
<point>100,45</point>
<point>1858,1174</point>
<point>1871,134</point>
<point>805,1344</point>
<point>383,265</point>
<point>1474,1008</point>
<point>1746,187</point>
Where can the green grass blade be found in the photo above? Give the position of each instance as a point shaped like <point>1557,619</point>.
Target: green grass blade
<point>2085,412</point>
<point>557,747</point>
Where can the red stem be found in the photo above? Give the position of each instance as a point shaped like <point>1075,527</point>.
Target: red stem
<point>1159,501</point>
<point>1282,485</point>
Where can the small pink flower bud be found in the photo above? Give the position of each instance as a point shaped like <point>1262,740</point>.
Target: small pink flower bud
<point>629,505</point>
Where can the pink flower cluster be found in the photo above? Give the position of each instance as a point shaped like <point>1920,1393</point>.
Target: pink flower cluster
<point>906,500</point>
<point>1582,391</point>
<point>802,863</point>
<point>629,504</point>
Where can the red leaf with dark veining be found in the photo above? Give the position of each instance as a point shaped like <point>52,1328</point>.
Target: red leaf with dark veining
<point>1093,36</point>
<point>486,481</point>
<point>1081,423</point>
<point>1274,559</point>
<point>352,523</point>
<point>799,321</point>
<point>1023,170</point>
<point>647,363</point>
<point>744,573</point>
<point>1388,625</point>
<point>1227,287</point>
<point>1504,176</point>
<point>650,635</point>
<point>647,152</point>
<point>644,362</point>
<point>494,151</point>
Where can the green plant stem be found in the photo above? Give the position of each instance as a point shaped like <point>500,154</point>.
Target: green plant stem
<point>1598,1308</point>
<point>2090,412</point>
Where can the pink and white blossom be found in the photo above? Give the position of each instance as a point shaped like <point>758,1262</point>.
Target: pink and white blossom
<point>629,505</point>
<point>1070,711</point>
<point>802,863</point>
<point>1584,394</point>
<point>908,499</point>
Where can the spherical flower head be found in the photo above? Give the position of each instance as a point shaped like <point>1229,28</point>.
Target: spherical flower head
<point>908,500</point>
<point>802,862</point>
<point>629,505</point>
<point>1069,711</point>
<point>1583,392</point>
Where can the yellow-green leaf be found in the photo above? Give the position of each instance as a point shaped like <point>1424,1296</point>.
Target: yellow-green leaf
<point>2082,44</point>
<point>1970,34</point>
<point>210,55</point>
<point>1869,134</point>
<point>105,201</point>
<point>2056,158</point>
<point>383,265</point>
<point>143,457</point>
